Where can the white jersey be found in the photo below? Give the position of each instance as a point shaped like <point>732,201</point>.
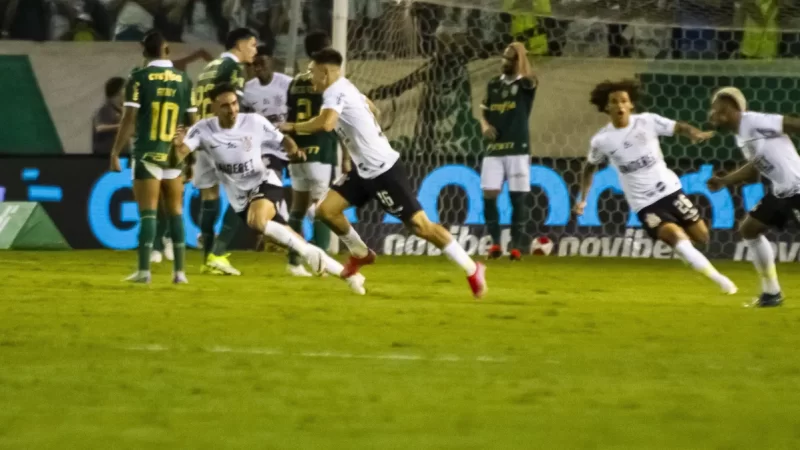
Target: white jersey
<point>235,152</point>
<point>359,130</point>
<point>763,143</point>
<point>270,102</point>
<point>635,153</point>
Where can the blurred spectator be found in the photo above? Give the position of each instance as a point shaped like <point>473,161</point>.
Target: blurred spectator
<point>761,29</point>
<point>27,20</point>
<point>106,120</point>
<point>362,26</point>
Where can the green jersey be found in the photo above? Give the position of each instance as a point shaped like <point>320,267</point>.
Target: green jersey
<point>163,96</point>
<point>224,69</point>
<point>507,107</point>
<point>304,104</point>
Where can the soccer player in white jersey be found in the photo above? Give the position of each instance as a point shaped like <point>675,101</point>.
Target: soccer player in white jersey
<point>378,172</point>
<point>630,143</point>
<point>771,153</point>
<point>233,142</point>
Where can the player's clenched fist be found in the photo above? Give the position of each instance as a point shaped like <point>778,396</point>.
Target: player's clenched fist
<point>578,208</point>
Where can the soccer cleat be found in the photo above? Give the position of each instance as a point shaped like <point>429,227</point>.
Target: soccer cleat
<point>315,258</point>
<point>156,257</point>
<point>139,276</point>
<point>515,255</point>
<point>222,264</point>
<point>356,283</point>
<point>477,281</point>
<point>179,278</point>
<point>200,241</point>
<point>766,301</point>
<point>729,288</point>
<point>353,264</point>
<point>297,271</point>
<point>208,270</point>
<point>169,252</point>
<point>495,251</point>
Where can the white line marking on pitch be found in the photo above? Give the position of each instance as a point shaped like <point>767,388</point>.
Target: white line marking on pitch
<point>323,354</point>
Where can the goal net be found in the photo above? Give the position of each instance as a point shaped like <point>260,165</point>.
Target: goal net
<point>427,65</point>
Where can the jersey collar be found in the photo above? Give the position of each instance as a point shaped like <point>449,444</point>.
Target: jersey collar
<point>506,80</point>
<point>230,56</point>
<point>160,63</point>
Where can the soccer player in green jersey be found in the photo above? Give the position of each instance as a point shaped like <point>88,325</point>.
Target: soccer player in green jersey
<point>504,124</point>
<point>312,177</point>
<point>241,49</point>
<point>158,99</point>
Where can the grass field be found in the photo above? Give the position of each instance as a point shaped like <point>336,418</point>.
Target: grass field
<point>562,354</point>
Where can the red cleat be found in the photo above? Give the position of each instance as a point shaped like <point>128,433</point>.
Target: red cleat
<point>515,255</point>
<point>495,251</point>
<point>353,264</point>
<point>477,281</point>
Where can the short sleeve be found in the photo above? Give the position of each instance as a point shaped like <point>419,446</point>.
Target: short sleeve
<point>763,125</point>
<point>106,116</point>
<point>132,93</point>
<point>595,156</point>
<point>194,137</point>
<point>192,100</point>
<point>334,99</point>
<point>268,129</point>
<point>661,125</point>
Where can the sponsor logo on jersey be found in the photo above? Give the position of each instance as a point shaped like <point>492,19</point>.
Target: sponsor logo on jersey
<point>167,75</point>
<point>236,168</point>
<point>503,106</point>
<point>638,164</point>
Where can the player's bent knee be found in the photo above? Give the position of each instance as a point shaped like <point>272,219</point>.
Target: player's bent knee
<point>671,234</point>
<point>750,228</point>
<point>491,194</point>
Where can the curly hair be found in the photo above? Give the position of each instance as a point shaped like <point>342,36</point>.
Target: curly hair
<point>602,91</point>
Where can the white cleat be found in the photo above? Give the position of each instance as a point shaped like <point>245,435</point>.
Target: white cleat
<point>141,277</point>
<point>316,260</point>
<point>298,271</point>
<point>156,257</point>
<point>356,283</point>
<point>169,253</point>
<point>179,278</point>
<point>729,288</point>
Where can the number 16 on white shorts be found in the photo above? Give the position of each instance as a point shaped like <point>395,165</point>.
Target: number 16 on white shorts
<point>514,168</point>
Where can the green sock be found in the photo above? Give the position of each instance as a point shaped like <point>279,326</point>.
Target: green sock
<point>147,232</point>
<point>162,222</point>
<point>492,217</point>
<point>295,223</point>
<point>230,225</point>
<point>322,235</point>
<point>208,215</point>
<point>178,242</point>
<point>519,216</point>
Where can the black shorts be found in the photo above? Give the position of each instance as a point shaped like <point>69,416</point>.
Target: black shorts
<point>775,212</point>
<point>275,163</point>
<point>267,191</point>
<point>391,189</point>
<point>675,208</point>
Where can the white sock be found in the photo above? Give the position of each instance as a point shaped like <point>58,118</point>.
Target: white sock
<point>354,243</point>
<point>764,262</point>
<point>457,254</point>
<point>332,266</point>
<point>312,212</point>
<point>700,263</point>
<point>284,236</point>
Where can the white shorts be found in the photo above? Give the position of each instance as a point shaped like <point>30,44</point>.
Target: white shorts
<point>157,172</point>
<point>514,168</point>
<point>313,177</point>
<point>205,175</point>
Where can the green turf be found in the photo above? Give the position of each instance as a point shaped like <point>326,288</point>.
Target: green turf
<point>563,354</point>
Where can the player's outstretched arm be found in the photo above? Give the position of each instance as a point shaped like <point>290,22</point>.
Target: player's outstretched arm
<point>694,134</point>
<point>587,175</point>
<point>791,125</point>
<point>746,173</point>
<point>124,135</point>
<point>292,150</point>
<point>179,150</point>
<point>325,121</point>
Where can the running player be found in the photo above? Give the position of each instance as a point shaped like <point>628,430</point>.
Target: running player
<point>233,140</point>
<point>241,48</point>
<point>771,153</point>
<point>157,100</point>
<point>630,143</point>
<point>312,177</point>
<point>504,124</point>
<point>379,174</point>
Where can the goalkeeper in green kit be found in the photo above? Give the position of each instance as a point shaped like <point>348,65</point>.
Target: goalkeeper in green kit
<point>505,127</point>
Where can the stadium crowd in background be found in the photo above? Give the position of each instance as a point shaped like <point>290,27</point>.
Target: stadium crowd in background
<point>706,29</point>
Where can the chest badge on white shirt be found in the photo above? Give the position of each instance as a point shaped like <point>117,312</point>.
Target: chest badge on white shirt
<point>247,143</point>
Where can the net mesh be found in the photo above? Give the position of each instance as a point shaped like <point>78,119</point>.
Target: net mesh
<point>427,65</point>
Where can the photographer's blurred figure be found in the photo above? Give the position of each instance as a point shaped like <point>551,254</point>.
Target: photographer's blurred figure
<point>107,118</point>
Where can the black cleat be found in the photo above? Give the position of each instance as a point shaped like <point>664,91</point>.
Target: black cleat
<point>767,301</point>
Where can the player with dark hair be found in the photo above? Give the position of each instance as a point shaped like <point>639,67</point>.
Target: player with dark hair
<point>771,153</point>
<point>232,141</point>
<point>241,49</point>
<point>158,99</point>
<point>378,173</point>
<point>505,125</point>
<point>630,143</point>
<point>312,177</point>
